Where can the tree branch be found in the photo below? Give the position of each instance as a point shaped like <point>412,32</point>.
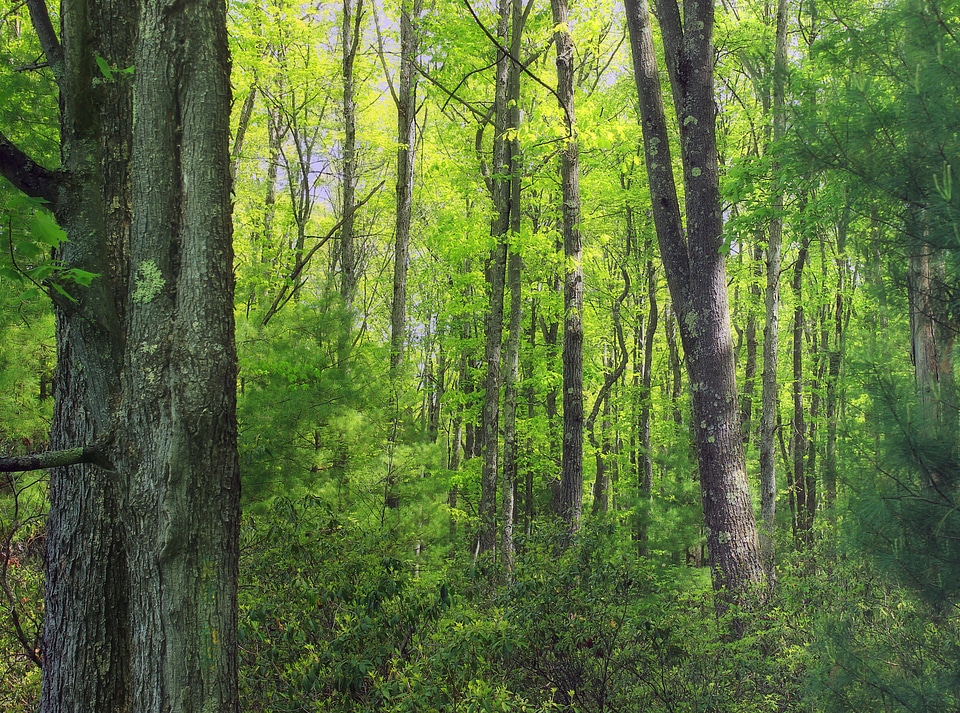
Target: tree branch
<point>54,459</point>
<point>26,174</point>
<point>48,38</point>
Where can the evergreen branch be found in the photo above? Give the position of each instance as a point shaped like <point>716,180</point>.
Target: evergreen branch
<point>25,174</point>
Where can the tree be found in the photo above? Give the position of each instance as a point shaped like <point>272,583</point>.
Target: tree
<point>696,276</point>
<point>142,531</point>
<point>571,467</point>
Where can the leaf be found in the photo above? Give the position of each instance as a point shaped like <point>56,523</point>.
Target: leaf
<point>80,277</point>
<point>105,68</point>
<point>46,230</point>
<point>63,292</point>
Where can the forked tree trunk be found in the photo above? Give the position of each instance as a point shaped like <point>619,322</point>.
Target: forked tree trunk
<point>696,277</point>
<point>142,546</point>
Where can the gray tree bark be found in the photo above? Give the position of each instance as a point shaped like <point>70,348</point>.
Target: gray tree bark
<point>771,328</point>
<point>496,273</point>
<point>142,541</point>
<point>406,101</point>
<point>696,277</point>
<point>511,366</point>
<point>571,467</point>
<point>350,38</point>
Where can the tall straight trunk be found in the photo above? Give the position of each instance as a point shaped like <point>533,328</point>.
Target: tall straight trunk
<point>350,38</point>
<point>496,269</point>
<point>86,592</point>
<point>571,467</point>
<point>511,369</point>
<point>799,435</point>
<point>646,479</point>
<point>142,539</point>
<point>551,333</point>
<point>750,367</point>
<point>675,385</point>
<point>696,276</point>
<point>511,365</point>
<point>406,101</point>
<point>833,369</point>
<point>180,364</point>
<point>771,328</point>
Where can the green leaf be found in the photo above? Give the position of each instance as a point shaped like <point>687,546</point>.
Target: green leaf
<point>46,230</point>
<point>63,292</point>
<point>81,277</point>
<point>105,69</point>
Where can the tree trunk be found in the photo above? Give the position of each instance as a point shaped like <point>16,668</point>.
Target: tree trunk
<point>180,366</point>
<point>771,327</point>
<point>646,479</point>
<point>571,468</point>
<point>798,448</point>
<point>350,37</point>
<point>750,366</point>
<point>142,555</point>
<point>406,101</point>
<point>511,369</point>
<point>514,266</point>
<point>696,276</point>
<point>496,269</point>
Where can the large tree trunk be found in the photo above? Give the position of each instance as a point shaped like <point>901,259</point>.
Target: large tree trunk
<point>86,643</point>
<point>142,546</point>
<point>696,276</point>
<point>571,468</point>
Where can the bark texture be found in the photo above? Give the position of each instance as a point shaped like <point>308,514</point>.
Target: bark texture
<point>571,467</point>
<point>406,101</point>
<point>142,538</point>
<point>696,277</point>
<point>771,327</point>
<point>496,275</point>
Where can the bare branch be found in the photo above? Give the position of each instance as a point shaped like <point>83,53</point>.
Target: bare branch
<point>26,174</point>
<point>48,37</point>
<point>53,459</point>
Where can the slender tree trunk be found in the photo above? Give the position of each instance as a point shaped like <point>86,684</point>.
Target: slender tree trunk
<point>833,371</point>
<point>512,358</point>
<point>750,367</point>
<point>350,38</point>
<point>771,328</point>
<point>511,369</point>
<point>571,469</point>
<point>496,269</point>
<point>646,480</point>
<point>799,445</point>
<point>696,276</point>
<point>406,160</point>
